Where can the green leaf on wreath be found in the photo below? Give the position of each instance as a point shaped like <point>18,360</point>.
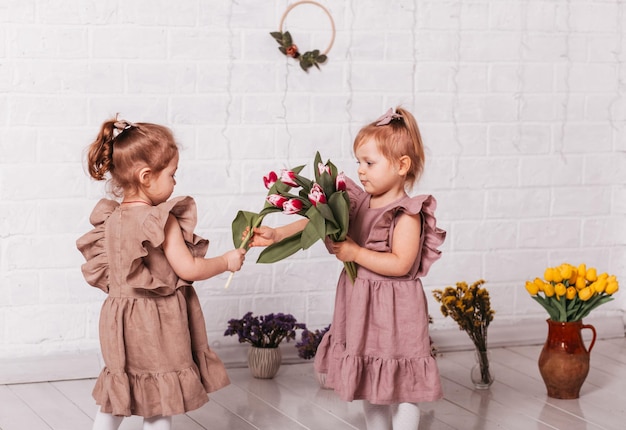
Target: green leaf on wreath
<point>305,64</point>
<point>287,41</point>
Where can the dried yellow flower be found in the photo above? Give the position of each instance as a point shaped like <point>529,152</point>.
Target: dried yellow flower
<point>470,307</point>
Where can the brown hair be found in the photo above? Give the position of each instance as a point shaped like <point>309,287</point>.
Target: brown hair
<point>123,151</point>
<point>398,138</point>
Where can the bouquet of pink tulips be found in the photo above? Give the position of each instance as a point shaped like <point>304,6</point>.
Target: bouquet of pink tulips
<point>324,201</point>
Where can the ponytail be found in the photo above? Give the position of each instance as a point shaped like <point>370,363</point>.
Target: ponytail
<point>100,152</point>
<point>417,152</point>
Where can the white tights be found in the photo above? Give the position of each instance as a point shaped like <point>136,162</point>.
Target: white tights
<point>111,422</point>
<point>157,423</point>
<point>399,416</point>
<point>106,421</point>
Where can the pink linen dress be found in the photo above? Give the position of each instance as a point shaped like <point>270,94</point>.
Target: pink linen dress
<point>152,330</point>
<point>378,347</point>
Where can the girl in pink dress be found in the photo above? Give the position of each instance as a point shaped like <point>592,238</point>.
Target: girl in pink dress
<point>144,254</point>
<point>378,348</point>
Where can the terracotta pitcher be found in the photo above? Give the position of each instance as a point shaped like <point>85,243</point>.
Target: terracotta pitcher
<point>564,360</point>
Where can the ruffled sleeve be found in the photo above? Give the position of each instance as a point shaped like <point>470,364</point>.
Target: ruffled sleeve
<point>431,236</point>
<point>186,213</point>
<point>93,246</point>
<point>356,194</point>
<point>148,268</point>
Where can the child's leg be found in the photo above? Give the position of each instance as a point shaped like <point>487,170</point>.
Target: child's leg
<point>157,423</point>
<point>377,417</point>
<point>405,416</point>
<point>106,421</point>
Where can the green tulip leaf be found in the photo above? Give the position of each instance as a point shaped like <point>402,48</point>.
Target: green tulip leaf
<point>243,220</point>
<point>281,250</point>
<point>340,205</point>
<point>327,213</point>
<point>316,162</point>
<point>332,230</point>
<point>327,183</point>
<point>314,230</point>
<point>552,311</point>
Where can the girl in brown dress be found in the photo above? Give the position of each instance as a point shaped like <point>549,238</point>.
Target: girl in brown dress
<point>144,254</point>
<point>378,348</point>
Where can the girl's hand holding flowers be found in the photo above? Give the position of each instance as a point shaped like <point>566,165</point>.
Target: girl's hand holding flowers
<point>261,236</point>
<point>345,251</point>
<point>234,259</point>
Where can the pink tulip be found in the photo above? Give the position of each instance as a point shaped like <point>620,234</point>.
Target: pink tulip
<point>288,177</point>
<point>270,179</point>
<point>321,167</point>
<point>316,195</point>
<point>340,182</point>
<point>276,200</point>
<point>292,206</point>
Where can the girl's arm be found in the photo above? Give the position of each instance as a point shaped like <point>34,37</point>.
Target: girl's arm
<point>264,236</point>
<point>191,268</point>
<point>398,262</point>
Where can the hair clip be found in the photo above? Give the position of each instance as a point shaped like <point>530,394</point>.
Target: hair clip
<point>389,116</point>
<point>121,125</point>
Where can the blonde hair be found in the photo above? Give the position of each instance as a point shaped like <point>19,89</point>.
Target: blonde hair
<point>401,136</point>
<point>123,151</point>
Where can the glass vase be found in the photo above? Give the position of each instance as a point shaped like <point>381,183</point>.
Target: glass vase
<point>481,374</point>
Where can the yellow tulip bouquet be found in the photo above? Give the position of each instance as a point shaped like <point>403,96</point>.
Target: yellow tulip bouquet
<point>570,293</point>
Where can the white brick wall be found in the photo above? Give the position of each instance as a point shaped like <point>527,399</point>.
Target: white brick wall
<point>522,106</point>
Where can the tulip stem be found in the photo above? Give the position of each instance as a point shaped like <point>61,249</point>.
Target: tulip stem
<point>244,244</point>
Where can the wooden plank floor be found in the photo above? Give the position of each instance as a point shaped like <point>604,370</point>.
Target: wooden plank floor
<point>293,400</point>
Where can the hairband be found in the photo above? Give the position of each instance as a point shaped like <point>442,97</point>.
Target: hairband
<point>389,116</point>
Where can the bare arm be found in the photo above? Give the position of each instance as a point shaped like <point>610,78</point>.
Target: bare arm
<point>265,236</point>
<point>191,268</point>
<point>398,262</point>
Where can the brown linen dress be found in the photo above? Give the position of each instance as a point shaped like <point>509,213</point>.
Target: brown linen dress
<point>152,330</point>
<point>378,347</point>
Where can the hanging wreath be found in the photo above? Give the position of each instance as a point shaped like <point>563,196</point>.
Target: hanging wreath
<point>290,49</point>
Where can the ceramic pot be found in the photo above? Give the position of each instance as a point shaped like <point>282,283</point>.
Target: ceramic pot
<point>564,360</point>
<point>264,362</point>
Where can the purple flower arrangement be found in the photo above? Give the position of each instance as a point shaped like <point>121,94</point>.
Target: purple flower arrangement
<point>264,331</point>
<point>309,341</point>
